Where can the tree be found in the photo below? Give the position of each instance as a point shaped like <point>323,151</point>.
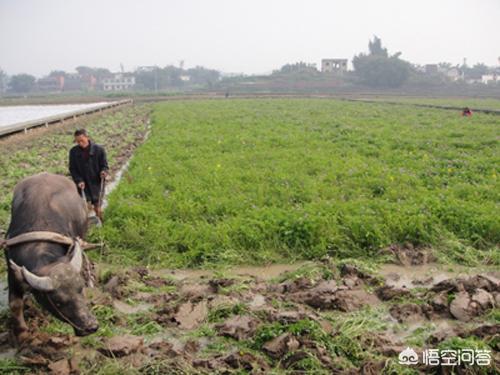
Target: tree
<point>57,73</point>
<point>171,76</point>
<point>147,79</point>
<point>203,76</point>
<point>445,65</point>
<point>22,83</point>
<point>379,69</point>
<point>299,67</point>
<point>98,73</point>
<point>375,47</point>
<point>3,81</point>
<point>477,71</point>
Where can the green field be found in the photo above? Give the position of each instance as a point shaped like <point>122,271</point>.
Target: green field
<point>257,181</point>
<point>473,103</point>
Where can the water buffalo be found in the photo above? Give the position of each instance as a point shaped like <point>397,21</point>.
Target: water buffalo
<point>50,270</point>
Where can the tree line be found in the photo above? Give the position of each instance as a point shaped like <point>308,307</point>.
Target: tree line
<point>377,68</point>
<point>152,78</point>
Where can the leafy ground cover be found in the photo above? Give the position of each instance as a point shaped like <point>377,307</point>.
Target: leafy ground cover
<point>258,181</point>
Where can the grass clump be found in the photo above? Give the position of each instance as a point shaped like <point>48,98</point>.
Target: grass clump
<point>224,311</point>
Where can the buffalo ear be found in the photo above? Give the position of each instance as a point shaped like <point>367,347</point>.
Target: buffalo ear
<point>41,283</point>
<point>77,257</point>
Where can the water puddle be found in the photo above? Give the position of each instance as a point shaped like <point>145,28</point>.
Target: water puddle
<point>401,332</point>
<point>125,308</point>
<point>395,275</point>
<point>262,272</point>
<point>425,275</point>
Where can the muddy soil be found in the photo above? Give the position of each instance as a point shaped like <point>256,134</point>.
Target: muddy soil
<point>297,318</point>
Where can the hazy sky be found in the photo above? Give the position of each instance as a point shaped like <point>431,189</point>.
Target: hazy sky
<point>253,36</point>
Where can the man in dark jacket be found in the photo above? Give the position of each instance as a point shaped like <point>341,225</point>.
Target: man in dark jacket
<point>88,167</point>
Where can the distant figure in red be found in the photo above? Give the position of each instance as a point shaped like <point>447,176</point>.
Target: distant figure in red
<point>467,112</point>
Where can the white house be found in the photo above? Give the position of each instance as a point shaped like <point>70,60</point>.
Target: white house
<point>490,78</point>
<point>454,74</point>
<point>118,82</point>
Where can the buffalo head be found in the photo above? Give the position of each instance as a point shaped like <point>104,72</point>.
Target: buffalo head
<point>58,287</point>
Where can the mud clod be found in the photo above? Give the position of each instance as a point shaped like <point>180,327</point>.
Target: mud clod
<point>191,315</point>
<point>120,346</point>
<point>61,367</point>
<point>388,292</point>
<point>408,312</point>
<point>281,345</point>
<point>408,255</point>
<point>196,291</point>
<point>238,327</point>
<point>114,286</point>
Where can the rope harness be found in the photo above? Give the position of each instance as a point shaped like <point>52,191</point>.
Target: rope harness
<point>66,319</point>
<point>44,236</point>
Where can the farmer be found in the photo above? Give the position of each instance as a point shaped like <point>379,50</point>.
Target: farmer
<point>89,168</point>
<point>467,112</point>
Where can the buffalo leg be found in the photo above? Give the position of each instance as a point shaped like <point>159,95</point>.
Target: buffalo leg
<point>16,305</point>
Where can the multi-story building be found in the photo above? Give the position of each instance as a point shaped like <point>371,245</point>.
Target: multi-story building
<point>333,65</point>
<point>118,82</point>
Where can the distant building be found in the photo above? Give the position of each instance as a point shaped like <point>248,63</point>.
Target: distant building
<point>431,69</point>
<point>73,82</point>
<point>454,74</point>
<point>118,82</point>
<point>333,65</point>
<point>51,84</point>
<point>490,78</point>
<point>149,68</point>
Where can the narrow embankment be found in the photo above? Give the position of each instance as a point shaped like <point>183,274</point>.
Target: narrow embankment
<point>453,107</point>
